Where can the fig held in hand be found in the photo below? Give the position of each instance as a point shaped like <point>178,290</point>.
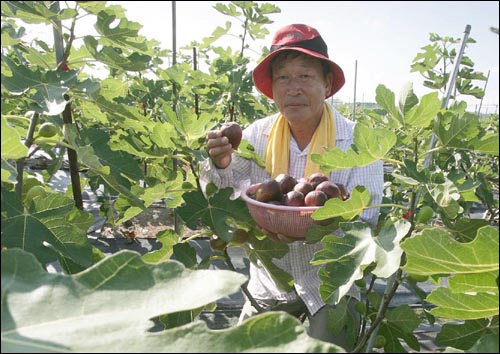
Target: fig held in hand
<point>233,132</point>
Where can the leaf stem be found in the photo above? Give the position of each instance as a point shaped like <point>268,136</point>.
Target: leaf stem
<point>398,206</point>
<point>200,234</point>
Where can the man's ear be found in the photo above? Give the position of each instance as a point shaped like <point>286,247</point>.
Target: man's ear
<point>328,83</point>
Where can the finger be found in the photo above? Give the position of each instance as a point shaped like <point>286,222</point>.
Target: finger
<point>220,152</point>
<point>212,134</point>
<point>216,142</point>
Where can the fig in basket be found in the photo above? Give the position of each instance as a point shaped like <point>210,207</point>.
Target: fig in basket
<point>316,178</point>
<point>331,189</point>
<point>343,191</point>
<point>233,132</point>
<point>268,191</point>
<point>303,187</point>
<point>315,198</point>
<point>293,198</point>
<point>286,182</point>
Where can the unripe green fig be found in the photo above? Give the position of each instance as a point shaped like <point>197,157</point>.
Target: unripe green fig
<point>360,282</point>
<point>47,130</point>
<point>360,307</point>
<point>424,214</point>
<point>417,277</point>
<point>379,341</point>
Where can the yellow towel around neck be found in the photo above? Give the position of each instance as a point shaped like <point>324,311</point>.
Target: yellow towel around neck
<point>277,153</point>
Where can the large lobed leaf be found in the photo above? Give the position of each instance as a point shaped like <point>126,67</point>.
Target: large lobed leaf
<point>461,128</point>
<point>346,209</point>
<point>214,211</point>
<point>434,251</point>
<point>12,148</point>
<point>473,288</point>
<point>463,306</point>
<point>465,335</point>
<point>47,229</point>
<point>49,87</point>
<point>400,324</point>
<point>266,252</point>
<point>107,308</point>
<point>372,144</point>
<point>118,31</point>
<point>345,257</point>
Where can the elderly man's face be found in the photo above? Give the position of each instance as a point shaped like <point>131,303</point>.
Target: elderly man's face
<point>299,87</point>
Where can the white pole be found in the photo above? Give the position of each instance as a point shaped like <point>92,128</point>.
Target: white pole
<point>355,79</point>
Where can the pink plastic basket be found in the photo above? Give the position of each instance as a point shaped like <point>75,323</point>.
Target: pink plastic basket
<point>280,219</point>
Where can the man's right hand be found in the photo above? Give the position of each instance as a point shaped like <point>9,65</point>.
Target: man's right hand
<point>219,149</point>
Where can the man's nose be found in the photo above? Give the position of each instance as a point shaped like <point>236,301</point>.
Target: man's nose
<point>294,85</point>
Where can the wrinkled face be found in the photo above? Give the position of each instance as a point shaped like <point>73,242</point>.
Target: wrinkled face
<point>300,86</point>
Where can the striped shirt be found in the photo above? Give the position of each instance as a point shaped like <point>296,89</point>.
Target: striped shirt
<point>296,262</point>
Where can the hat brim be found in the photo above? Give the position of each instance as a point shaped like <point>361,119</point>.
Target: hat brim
<point>262,72</point>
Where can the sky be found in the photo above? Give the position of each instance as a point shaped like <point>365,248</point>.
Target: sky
<point>380,38</point>
<point>373,42</point>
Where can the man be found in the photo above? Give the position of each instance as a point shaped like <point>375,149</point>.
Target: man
<point>298,75</point>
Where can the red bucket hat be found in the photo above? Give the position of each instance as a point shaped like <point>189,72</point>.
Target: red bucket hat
<point>301,38</point>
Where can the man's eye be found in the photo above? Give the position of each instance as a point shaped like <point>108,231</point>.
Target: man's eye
<point>281,78</point>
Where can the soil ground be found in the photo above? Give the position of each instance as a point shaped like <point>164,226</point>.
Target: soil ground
<point>147,224</point>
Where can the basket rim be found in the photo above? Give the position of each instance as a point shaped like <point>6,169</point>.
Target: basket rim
<point>249,200</point>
